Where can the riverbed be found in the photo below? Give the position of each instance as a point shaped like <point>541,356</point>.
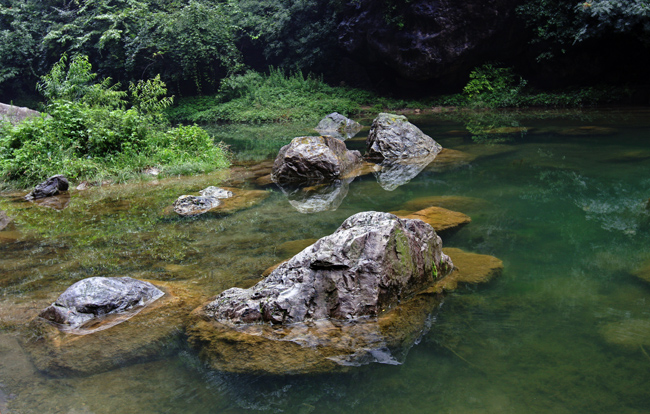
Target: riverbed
<point>562,198</point>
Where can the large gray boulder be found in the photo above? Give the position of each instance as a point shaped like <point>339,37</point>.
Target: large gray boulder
<point>370,264</point>
<point>97,297</point>
<point>338,126</point>
<point>394,137</point>
<point>50,187</point>
<point>313,159</point>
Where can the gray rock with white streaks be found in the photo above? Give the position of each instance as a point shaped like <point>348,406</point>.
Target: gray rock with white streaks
<point>313,159</point>
<point>338,126</point>
<point>97,297</point>
<point>394,137</point>
<point>189,205</point>
<point>370,264</point>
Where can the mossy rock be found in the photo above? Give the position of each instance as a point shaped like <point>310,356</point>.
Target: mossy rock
<point>456,203</point>
<point>152,333</point>
<point>470,268</point>
<point>442,220</point>
<point>631,333</point>
<point>323,346</point>
<point>643,272</point>
<point>587,130</point>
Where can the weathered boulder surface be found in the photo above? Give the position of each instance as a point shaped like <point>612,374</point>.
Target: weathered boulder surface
<point>152,333</point>
<point>427,39</point>
<point>371,263</point>
<point>16,114</point>
<point>313,159</point>
<point>394,137</point>
<point>338,126</point>
<point>98,297</point>
<point>189,205</point>
<point>50,187</point>
<point>334,345</point>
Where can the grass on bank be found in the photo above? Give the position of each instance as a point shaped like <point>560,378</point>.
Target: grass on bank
<point>93,131</point>
<point>282,97</point>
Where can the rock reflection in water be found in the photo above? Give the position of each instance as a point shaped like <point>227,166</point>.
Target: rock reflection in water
<point>318,197</point>
<point>394,173</point>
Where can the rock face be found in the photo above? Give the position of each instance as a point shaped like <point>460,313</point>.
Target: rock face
<point>98,297</point>
<point>338,126</point>
<point>427,39</point>
<point>371,263</point>
<point>393,137</point>
<point>313,159</point>
<point>15,114</point>
<point>52,186</point>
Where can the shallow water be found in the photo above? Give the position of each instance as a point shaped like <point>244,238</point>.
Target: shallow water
<point>564,329</point>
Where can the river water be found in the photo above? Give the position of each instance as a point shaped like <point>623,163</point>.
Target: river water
<point>560,197</point>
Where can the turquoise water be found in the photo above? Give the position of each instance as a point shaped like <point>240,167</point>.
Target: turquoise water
<point>565,329</point>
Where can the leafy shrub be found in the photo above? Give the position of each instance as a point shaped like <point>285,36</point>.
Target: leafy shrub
<point>91,130</point>
<point>493,86</point>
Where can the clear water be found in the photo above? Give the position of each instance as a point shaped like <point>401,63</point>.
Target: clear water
<point>565,329</point>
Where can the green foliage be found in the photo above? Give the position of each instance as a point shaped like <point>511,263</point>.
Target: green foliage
<point>189,44</point>
<point>294,35</point>
<point>560,24</point>
<point>88,132</point>
<point>276,97</point>
<point>493,86</point>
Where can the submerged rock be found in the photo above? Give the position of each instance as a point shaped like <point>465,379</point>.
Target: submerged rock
<point>588,130</point>
<point>441,219</point>
<point>394,137</point>
<point>313,159</point>
<point>189,205</point>
<point>456,203</point>
<point>338,126</point>
<point>4,220</point>
<point>98,297</point>
<point>367,266</point>
<point>218,200</point>
<point>50,187</point>
<point>152,333</point>
<point>631,333</point>
<point>470,268</point>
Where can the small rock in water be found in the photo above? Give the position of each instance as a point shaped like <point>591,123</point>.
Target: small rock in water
<point>216,192</point>
<point>98,297</point>
<point>189,205</point>
<point>4,220</point>
<point>52,186</point>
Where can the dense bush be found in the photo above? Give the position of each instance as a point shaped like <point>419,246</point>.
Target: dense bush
<point>92,130</point>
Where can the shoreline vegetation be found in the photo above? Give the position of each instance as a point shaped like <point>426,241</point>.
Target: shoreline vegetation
<point>94,131</point>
